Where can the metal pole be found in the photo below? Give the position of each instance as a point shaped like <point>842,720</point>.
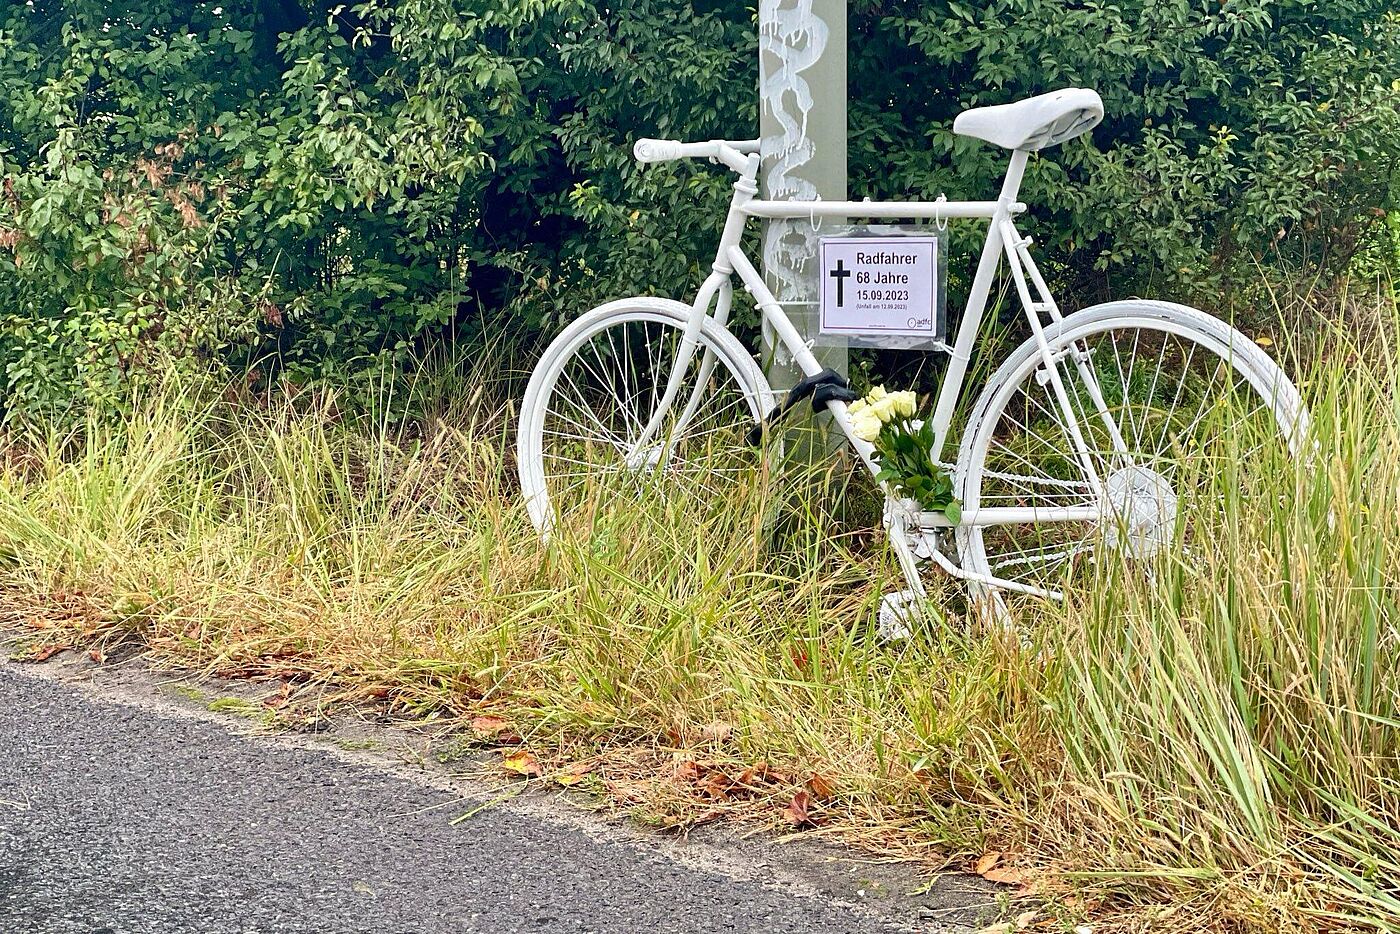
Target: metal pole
<point>802,89</point>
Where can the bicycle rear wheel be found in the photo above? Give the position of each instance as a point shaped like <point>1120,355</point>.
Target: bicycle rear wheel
<point>595,391</point>
<point>1191,411</point>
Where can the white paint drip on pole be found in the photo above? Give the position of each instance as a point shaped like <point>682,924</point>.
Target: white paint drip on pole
<point>802,88</point>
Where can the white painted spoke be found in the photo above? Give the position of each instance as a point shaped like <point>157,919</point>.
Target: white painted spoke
<point>1029,467</point>
<point>605,394</point>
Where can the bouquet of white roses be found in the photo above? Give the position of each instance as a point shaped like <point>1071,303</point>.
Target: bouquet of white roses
<point>879,408</point>
<point>904,449</point>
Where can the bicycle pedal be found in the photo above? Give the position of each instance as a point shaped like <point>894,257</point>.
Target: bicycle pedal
<point>898,612</point>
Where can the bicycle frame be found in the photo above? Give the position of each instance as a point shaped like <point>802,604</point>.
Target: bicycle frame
<point>1002,240</point>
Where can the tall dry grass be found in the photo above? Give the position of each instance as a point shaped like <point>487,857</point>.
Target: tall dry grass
<point>1214,745</point>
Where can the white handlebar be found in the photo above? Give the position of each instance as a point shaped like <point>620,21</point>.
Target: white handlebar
<point>664,150</point>
<point>656,150</point>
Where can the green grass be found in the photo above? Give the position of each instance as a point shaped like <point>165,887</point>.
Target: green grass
<point>241,707</point>
<point>1214,746</point>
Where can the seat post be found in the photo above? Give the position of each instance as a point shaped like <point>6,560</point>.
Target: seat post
<point>1015,171</point>
<point>992,251</point>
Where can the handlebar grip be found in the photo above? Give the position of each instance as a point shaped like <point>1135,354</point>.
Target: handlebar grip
<point>656,150</point>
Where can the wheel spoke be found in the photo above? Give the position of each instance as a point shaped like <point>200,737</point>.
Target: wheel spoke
<point>1023,467</point>
<point>583,457</point>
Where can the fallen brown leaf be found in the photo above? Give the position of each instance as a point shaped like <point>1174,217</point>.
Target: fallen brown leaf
<point>985,864</point>
<point>631,792</point>
<point>797,811</point>
<point>760,775</point>
<point>46,652</point>
<point>521,762</point>
<point>487,725</point>
<point>573,774</point>
<point>1004,876</point>
<point>715,784</point>
<point>820,786</point>
<point>716,732</point>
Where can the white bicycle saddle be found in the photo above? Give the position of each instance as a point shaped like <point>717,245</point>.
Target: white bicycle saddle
<point>1036,122</point>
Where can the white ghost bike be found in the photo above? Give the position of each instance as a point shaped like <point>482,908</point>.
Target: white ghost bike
<point>1080,441</point>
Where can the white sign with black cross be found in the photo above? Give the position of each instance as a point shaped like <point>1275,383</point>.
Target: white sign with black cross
<point>880,286</point>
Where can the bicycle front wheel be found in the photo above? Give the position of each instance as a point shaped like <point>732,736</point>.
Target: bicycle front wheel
<point>584,447</point>
<point>1166,411</point>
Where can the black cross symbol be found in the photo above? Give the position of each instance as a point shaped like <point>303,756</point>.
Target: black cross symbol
<point>840,274</point>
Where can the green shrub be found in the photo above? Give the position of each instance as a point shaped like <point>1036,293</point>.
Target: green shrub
<point>343,182</point>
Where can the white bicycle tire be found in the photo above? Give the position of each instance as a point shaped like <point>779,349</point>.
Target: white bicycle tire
<point>729,352</point>
<point>1247,358</point>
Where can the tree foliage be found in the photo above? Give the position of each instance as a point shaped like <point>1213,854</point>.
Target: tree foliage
<point>1265,129</point>
<point>314,189</point>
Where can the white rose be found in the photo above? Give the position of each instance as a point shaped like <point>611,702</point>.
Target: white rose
<point>856,406</point>
<point>866,425</point>
<point>884,408</point>
<point>876,394</point>
<point>904,403</point>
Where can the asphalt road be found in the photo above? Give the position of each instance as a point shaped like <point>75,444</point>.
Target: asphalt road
<point>116,820</point>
